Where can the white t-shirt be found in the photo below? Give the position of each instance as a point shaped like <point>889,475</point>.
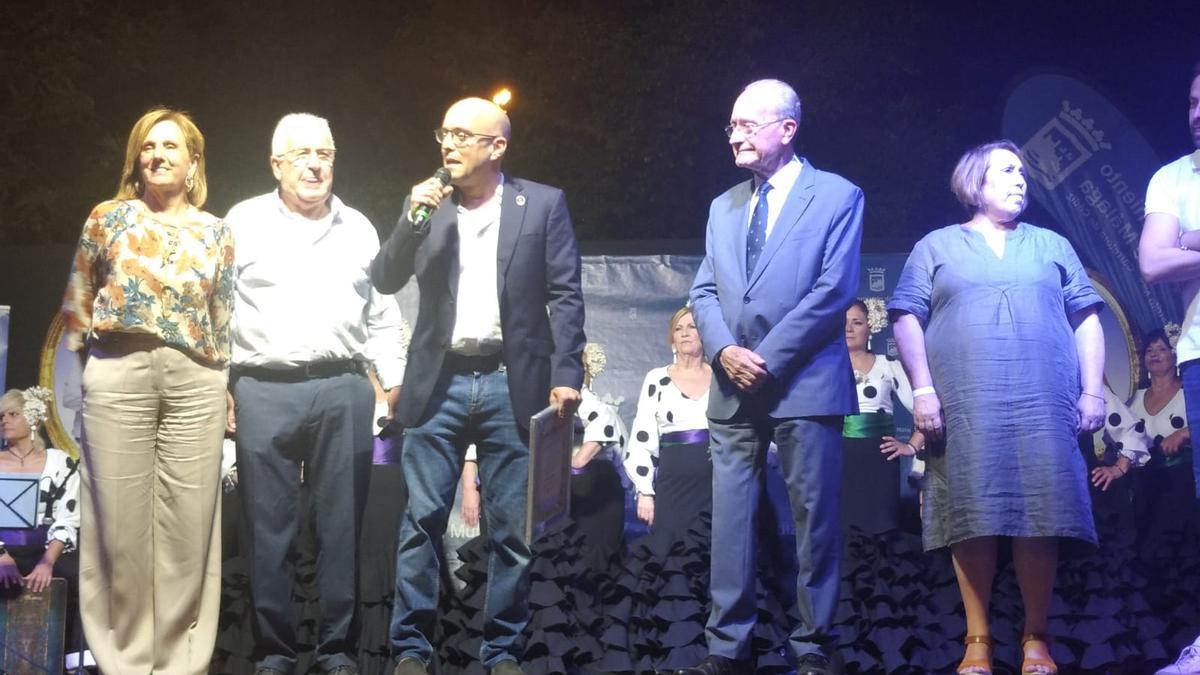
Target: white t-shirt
<point>1175,191</point>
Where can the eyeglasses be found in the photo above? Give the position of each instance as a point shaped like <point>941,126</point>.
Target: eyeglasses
<point>460,137</point>
<point>748,129</point>
<point>299,157</point>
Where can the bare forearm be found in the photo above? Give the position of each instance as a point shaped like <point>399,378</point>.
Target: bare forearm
<point>1164,253</point>
<point>53,551</point>
<point>910,342</point>
<point>587,452</point>
<point>469,474</point>
<point>1089,344</point>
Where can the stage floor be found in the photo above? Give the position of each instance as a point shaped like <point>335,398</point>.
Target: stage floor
<point>1115,610</point>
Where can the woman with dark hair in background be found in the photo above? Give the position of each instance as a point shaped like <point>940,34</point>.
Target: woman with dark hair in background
<point>1165,487</point>
<point>870,472</point>
<point>148,306</point>
<point>996,323</point>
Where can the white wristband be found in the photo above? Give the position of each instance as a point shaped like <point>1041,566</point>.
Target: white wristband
<point>921,391</point>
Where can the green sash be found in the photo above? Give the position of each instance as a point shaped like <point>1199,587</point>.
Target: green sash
<point>868,425</point>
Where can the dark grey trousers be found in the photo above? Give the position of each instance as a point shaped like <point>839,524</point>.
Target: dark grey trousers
<point>324,424</point>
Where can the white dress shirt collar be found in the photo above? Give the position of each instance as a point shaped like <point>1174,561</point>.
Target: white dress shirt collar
<point>781,182</point>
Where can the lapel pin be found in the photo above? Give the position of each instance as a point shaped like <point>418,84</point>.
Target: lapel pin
<point>520,200</point>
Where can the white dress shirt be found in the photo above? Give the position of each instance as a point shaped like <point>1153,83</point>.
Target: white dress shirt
<point>477,305</point>
<point>781,186</point>
<point>303,291</point>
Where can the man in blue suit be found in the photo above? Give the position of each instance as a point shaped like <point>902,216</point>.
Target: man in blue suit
<point>780,268</point>
<point>499,332</point>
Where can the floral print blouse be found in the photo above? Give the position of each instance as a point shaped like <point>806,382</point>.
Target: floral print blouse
<point>135,274</point>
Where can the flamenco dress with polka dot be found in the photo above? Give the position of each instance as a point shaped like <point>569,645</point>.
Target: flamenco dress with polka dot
<point>1164,488</point>
<point>870,483</point>
<point>657,612</point>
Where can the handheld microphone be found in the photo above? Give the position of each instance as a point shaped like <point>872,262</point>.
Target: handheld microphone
<point>421,214</point>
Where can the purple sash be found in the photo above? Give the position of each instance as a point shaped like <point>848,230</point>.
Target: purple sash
<point>684,437</point>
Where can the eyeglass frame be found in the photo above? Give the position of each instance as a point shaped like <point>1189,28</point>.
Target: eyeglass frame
<point>298,157</point>
<point>750,129</point>
<point>471,137</point>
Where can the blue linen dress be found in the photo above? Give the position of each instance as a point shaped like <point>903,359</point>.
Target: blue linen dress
<point>1002,354</point>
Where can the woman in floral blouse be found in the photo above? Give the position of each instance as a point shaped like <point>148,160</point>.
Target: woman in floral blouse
<point>148,306</point>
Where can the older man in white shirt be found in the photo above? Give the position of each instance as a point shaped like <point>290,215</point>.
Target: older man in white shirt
<point>307,321</point>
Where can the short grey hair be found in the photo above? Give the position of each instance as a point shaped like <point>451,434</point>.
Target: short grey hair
<point>291,123</point>
<point>785,101</point>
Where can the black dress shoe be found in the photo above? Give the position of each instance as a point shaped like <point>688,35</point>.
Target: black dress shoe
<point>718,665</point>
<point>813,664</point>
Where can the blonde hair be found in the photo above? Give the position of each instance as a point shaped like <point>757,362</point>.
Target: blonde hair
<point>679,314</point>
<point>967,180</point>
<point>131,186</point>
<point>14,400</point>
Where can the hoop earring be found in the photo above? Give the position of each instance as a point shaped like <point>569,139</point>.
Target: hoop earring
<point>137,187</point>
<point>189,182</point>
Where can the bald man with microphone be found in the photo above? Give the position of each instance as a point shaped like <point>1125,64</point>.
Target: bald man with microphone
<point>499,335</point>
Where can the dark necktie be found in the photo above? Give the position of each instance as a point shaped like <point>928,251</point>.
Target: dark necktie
<point>756,237</point>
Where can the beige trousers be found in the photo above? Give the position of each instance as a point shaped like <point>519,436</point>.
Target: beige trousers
<point>150,550</point>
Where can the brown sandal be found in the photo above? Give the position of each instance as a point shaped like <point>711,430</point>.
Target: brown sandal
<point>982,665</point>
<point>1037,666</point>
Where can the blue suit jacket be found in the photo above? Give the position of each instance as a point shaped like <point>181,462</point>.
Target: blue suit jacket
<point>537,278</point>
<point>792,311</point>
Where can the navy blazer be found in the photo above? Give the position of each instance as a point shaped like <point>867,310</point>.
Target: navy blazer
<point>537,278</point>
<point>792,311</point>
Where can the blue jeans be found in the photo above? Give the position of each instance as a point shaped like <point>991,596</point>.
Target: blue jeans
<point>1190,372</point>
<point>467,408</point>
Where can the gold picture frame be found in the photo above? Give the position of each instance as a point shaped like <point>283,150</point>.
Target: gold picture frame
<point>1122,372</point>
<point>60,371</point>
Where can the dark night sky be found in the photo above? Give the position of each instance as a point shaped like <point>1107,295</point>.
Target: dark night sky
<point>620,103</point>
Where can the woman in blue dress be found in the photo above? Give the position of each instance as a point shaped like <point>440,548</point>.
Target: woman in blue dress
<point>996,323</point>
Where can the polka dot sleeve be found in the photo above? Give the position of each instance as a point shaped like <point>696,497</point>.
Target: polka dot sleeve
<point>641,450</point>
<point>1124,430</point>
<point>601,423</point>
<point>60,490</point>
